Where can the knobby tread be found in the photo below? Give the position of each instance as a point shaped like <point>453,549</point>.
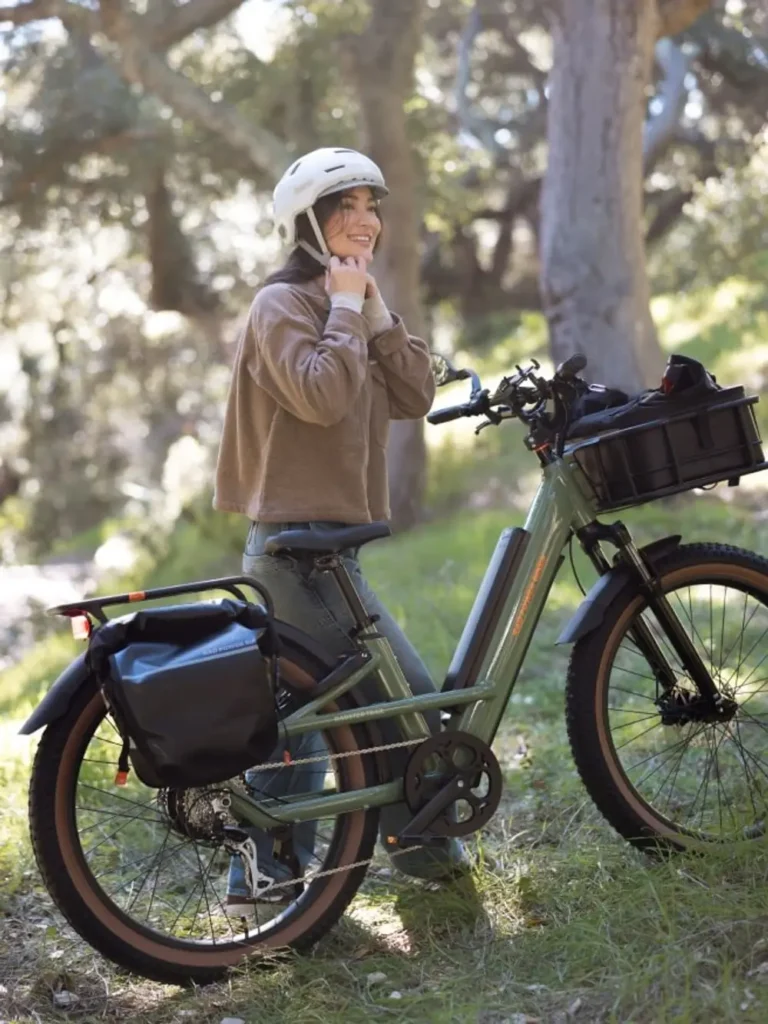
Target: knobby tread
<point>68,900</point>
<point>582,684</point>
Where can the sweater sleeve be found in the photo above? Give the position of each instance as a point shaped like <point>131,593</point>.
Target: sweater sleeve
<point>315,377</point>
<point>407,368</point>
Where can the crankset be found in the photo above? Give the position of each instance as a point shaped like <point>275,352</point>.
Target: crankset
<point>453,786</point>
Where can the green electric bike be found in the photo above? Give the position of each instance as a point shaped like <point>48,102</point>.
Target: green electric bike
<point>666,702</point>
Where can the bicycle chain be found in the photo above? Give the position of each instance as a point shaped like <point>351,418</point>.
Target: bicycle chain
<point>329,757</point>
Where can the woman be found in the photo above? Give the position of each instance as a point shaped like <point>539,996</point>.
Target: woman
<point>321,368</point>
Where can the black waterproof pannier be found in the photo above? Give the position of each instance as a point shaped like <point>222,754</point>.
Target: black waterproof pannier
<point>688,433</point>
<point>191,689</point>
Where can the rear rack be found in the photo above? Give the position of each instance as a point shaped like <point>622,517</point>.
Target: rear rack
<point>95,605</point>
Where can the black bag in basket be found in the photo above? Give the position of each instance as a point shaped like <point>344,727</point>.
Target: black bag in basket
<point>190,688</point>
<point>686,383</point>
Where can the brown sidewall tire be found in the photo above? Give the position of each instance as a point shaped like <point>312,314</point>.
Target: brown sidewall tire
<point>587,690</point>
<point>116,936</point>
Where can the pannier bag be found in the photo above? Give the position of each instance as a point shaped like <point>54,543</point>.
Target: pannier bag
<point>687,433</point>
<point>191,689</point>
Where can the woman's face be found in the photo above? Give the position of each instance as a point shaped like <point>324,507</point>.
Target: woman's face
<point>353,228</point>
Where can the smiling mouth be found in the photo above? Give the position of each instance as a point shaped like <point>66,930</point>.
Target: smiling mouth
<point>361,239</point>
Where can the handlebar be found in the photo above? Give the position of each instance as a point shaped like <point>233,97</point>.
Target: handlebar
<point>525,396</point>
<point>455,412</point>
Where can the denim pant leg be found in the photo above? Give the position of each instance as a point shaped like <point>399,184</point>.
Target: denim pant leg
<point>291,603</point>
<point>312,602</point>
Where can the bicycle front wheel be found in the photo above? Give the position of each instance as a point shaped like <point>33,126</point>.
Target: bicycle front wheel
<point>656,764</point>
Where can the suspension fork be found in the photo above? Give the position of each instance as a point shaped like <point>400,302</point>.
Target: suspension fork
<point>629,555</point>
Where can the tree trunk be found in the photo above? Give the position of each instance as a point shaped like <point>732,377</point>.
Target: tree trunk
<point>594,282</point>
<point>382,62</point>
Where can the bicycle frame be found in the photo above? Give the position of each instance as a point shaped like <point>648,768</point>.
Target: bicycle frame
<point>560,507</point>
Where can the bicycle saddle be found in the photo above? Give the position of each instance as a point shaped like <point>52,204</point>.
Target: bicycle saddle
<point>327,542</point>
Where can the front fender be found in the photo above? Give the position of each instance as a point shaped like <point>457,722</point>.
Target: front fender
<point>56,702</point>
<point>606,590</point>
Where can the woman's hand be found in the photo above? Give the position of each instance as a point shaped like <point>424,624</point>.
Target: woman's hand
<point>347,275</point>
<point>371,288</point>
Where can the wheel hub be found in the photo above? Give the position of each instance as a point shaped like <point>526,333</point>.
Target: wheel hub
<point>200,814</point>
<point>681,707</point>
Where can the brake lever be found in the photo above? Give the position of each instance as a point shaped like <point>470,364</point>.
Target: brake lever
<point>494,419</point>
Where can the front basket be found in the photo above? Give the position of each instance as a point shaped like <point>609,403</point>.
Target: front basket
<point>697,448</point>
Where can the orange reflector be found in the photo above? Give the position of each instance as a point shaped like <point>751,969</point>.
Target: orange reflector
<point>81,627</point>
<point>121,779</point>
<point>137,595</point>
<point>392,840</point>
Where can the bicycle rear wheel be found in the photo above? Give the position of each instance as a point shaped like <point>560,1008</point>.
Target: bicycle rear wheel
<point>658,768</point>
<point>141,874</point>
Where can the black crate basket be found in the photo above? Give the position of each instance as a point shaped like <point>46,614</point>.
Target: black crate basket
<point>696,448</point>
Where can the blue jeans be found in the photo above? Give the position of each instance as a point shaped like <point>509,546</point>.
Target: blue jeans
<point>311,601</point>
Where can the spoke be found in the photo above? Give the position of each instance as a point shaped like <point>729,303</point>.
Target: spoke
<point>86,853</point>
<point>757,666</point>
<point>639,736</point>
<point>744,623</point>
<point>633,693</point>
<point>633,711</point>
<point>94,760</point>
<point>114,796</point>
<point>689,615</point>
<point>683,744</point>
<point>736,734</point>
<point>753,694</point>
<point>134,864</point>
<point>618,728</point>
<point>673,774</point>
<point>632,672</point>
<point>146,876</point>
<point>711,633</point>
<point>720,789</point>
<point>204,875</point>
<point>114,814</point>
<point>658,753</point>
<point>726,592</point>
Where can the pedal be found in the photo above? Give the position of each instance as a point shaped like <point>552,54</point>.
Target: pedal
<point>406,840</point>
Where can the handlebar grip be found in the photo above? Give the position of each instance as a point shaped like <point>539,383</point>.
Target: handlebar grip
<point>573,365</point>
<point>451,412</point>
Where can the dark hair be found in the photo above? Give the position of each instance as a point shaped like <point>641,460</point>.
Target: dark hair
<point>300,267</point>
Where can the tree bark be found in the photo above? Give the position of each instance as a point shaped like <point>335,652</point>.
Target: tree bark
<point>382,63</point>
<point>594,282</point>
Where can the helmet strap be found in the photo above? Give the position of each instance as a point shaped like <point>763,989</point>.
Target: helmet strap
<point>324,255</point>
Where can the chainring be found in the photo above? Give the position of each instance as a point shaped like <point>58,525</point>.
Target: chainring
<point>440,759</point>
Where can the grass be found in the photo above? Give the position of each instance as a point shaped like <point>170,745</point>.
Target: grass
<point>570,924</point>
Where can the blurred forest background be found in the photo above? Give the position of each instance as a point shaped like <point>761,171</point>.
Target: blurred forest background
<point>554,170</point>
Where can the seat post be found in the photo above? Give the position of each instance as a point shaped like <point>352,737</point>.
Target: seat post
<point>335,564</point>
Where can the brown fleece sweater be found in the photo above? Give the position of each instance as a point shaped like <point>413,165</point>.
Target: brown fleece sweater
<point>308,411</point>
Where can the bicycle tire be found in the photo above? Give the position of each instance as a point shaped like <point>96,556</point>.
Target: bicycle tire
<point>595,749</point>
<point>107,928</point>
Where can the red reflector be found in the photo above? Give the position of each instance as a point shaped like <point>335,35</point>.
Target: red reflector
<point>121,779</point>
<point>81,627</point>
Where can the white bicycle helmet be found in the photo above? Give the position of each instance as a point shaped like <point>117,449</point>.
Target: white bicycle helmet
<point>318,174</point>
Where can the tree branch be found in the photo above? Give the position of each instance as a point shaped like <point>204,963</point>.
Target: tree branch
<point>659,129</point>
<point>482,129</point>
<point>163,28</point>
<point>676,16</point>
<point>178,23</point>
<point>140,66</point>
